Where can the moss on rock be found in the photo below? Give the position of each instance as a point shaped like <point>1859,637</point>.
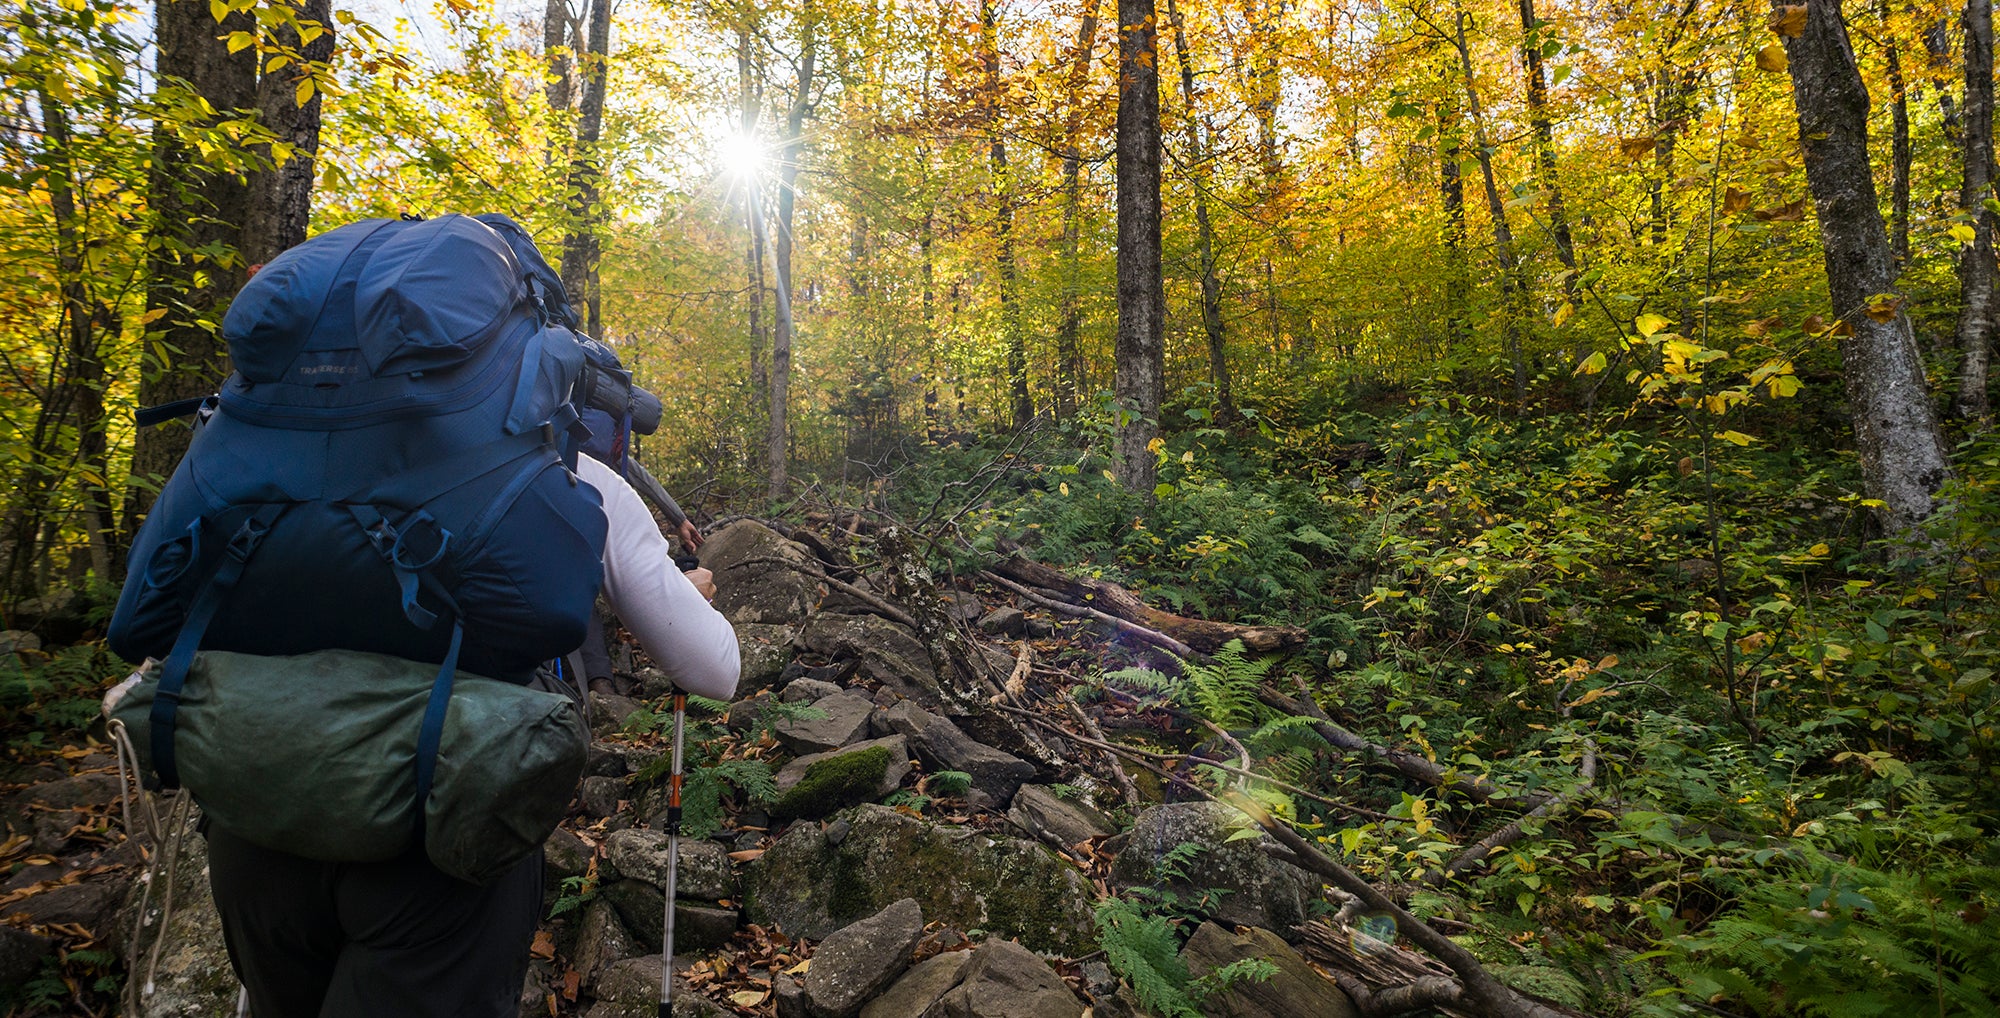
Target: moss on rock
<point>839,781</point>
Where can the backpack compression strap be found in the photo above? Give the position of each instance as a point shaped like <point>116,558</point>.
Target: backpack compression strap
<point>173,674</point>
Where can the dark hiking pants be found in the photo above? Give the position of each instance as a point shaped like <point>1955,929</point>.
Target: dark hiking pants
<point>372,940</point>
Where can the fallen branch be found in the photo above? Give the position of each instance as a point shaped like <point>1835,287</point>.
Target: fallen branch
<point>813,569</point>
<point>1152,636</point>
<point>1204,635</point>
<point>1125,785</point>
<point>1418,768</point>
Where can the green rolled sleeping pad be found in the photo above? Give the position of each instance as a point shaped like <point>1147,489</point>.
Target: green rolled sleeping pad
<point>315,755</point>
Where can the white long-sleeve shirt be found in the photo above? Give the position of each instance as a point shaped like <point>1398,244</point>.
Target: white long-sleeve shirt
<point>679,629</point>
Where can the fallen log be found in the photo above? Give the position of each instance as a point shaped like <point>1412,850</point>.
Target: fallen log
<point>1204,635</point>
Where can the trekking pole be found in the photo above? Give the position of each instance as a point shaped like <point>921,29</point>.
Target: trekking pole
<point>673,857</point>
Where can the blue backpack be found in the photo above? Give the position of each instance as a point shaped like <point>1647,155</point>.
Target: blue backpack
<point>385,471</point>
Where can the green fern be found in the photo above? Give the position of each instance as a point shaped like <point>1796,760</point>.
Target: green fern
<point>1225,692</point>
<point>1145,950</point>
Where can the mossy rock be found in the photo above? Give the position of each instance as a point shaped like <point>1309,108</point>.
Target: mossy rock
<point>814,881</point>
<point>835,782</point>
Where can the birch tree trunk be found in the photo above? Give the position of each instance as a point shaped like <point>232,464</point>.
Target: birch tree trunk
<point>1903,460</point>
<point>1140,383</point>
<point>1976,266</point>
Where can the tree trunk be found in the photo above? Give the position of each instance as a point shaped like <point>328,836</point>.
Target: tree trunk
<point>583,245</point>
<point>1211,287</point>
<point>1022,404</point>
<point>1545,146</point>
<point>753,255</point>
<point>1903,460</point>
<point>1140,382</point>
<point>1451,193</point>
<point>1899,148</point>
<point>1976,267</point>
<point>1513,285</point>
<point>1937,43</point>
<point>281,197</point>
<point>194,208</point>
<point>778,447</point>
<point>559,57</point>
<point>1069,327</point>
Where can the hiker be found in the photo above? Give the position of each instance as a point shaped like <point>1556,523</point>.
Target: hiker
<point>360,940</point>
<point>385,498</point>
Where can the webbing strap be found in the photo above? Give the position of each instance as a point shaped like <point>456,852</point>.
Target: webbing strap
<point>151,415</point>
<point>173,673</point>
<point>432,732</point>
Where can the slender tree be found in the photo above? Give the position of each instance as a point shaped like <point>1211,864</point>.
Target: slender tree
<point>281,196</point>
<point>1903,461</point>
<point>1532,39</point>
<point>791,150</point>
<point>1069,327</point>
<point>1200,135</point>
<point>1899,143</point>
<point>583,245</point>
<point>1976,267</point>
<point>1142,301</point>
<point>1023,404</point>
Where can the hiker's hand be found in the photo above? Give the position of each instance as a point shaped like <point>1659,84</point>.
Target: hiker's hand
<point>703,581</point>
<point>690,537</point>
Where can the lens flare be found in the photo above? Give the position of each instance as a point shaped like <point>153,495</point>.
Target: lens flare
<point>1373,933</point>
<point>741,155</point>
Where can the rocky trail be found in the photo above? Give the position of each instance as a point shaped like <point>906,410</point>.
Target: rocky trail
<point>905,813</point>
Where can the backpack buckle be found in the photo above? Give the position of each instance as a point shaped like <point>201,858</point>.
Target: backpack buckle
<point>247,538</point>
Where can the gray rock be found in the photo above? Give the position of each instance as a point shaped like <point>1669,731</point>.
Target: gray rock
<point>766,650</point>
<point>924,985</point>
<point>193,977</point>
<point>841,793</point>
<point>564,855</point>
<point>944,747</point>
<point>78,791</point>
<point>791,997</point>
<point>1258,890</point>
<point>748,590</point>
<point>861,959</point>
<point>1295,991</point>
<point>643,908</point>
<point>600,796</point>
<point>1004,621</point>
<point>601,941</point>
<point>704,873</point>
<point>13,640</point>
<point>809,886</point>
<point>600,761</point>
<point>889,654</point>
<point>608,712</point>
<point>21,956</point>
<point>631,989</point>
<point>1006,980</point>
<point>536,986</point>
<point>1040,813</point>
<point>91,904</point>
<point>808,690</point>
<point>845,723</point>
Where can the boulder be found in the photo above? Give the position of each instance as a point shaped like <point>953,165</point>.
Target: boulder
<point>193,976</point>
<point>1256,890</point>
<point>766,650</point>
<point>808,690</point>
<point>704,873</point>
<point>944,747</point>
<point>822,783</point>
<point>1006,980</point>
<point>17,640</point>
<point>924,985</point>
<point>749,587</point>
<point>1295,991</point>
<point>845,723</point>
<point>91,904</point>
<point>643,908</point>
<point>600,796</point>
<point>601,941</point>
<point>21,957</point>
<point>564,855</point>
<point>631,989</point>
<point>811,883</point>
<point>1042,814</point>
<point>608,711</point>
<point>858,961</point>
<point>889,654</point>
<point>1004,621</point>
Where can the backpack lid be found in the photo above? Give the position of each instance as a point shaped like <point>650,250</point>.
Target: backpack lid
<point>373,298</point>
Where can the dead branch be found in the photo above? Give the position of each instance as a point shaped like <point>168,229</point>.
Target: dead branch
<point>1125,785</point>
<point>1204,635</point>
<point>1418,768</point>
<point>1152,636</point>
<point>812,568</point>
